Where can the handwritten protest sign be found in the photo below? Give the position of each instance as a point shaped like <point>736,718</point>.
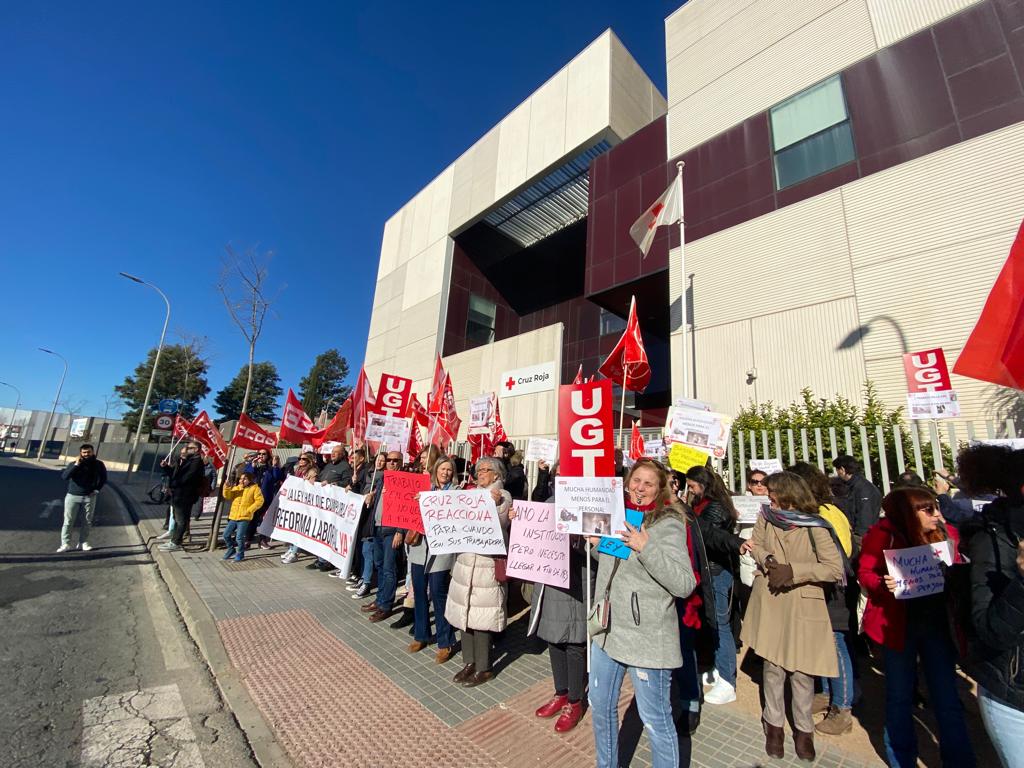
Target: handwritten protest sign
<point>541,449</point>
<point>918,570</point>
<point>461,521</point>
<point>748,508</point>
<point>682,457</point>
<point>321,519</point>
<point>590,505</point>
<point>616,547</point>
<point>768,466</point>
<point>536,551</point>
<point>401,507</point>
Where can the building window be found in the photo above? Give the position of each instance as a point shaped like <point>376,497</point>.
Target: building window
<point>480,323</point>
<point>611,323</point>
<point>811,133</point>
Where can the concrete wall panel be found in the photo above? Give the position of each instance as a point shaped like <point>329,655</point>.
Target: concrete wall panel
<point>895,19</point>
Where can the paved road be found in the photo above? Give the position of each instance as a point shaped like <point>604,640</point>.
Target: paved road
<point>98,669</point>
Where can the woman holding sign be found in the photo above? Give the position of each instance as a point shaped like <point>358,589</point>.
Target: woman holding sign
<point>634,621</point>
<point>913,630</point>
<point>476,599</point>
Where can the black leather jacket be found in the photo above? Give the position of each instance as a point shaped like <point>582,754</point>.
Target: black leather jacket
<point>722,545</point>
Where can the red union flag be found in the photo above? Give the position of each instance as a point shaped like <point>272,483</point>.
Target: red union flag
<point>205,431</point>
<point>579,375</point>
<point>337,428</point>
<point>249,434</point>
<point>393,396</point>
<point>585,444</point>
<point>182,427</point>
<point>627,364</point>
<point>926,371</point>
<point>667,209</point>
<point>444,409</point>
<point>636,443</point>
<point>436,385</point>
<point>296,426</point>
<point>417,412</point>
<point>362,401</point>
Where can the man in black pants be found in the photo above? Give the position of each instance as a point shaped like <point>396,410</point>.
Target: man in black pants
<point>185,483</point>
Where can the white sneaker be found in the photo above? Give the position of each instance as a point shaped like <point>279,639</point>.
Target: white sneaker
<point>722,693</point>
<point>289,557</point>
<point>709,678</point>
<point>86,546</point>
<point>63,548</point>
<point>170,546</point>
<point>164,535</point>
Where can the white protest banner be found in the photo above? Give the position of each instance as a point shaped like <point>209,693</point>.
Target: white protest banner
<point>918,570</point>
<point>706,430</point>
<point>933,405</point>
<point>391,432</point>
<point>461,521</point>
<point>695,405</point>
<point>655,448</point>
<point>536,551</point>
<point>748,508</point>
<point>327,446</point>
<point>541,449</point>
<point>321,519</point>
<point>768,466</point>
<point>590,505</point>
<point>481,414</point>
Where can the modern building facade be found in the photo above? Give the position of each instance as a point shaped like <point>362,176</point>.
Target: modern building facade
<point>852,186</point>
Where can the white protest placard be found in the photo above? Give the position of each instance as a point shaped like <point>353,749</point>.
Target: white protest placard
<point>327,446</point>
<point>321,519</point>
<point>536,551</point>
<point>943,404</point>
<point>655,448</point>
<point>481,414</point>
<point>706,430</point>
<point>209,505</point>
<point>589,505</point>
<point>696,405</point>
<point>918,570</point>
<point>748,508</point>
<point>391,432</point>
<point>768,466</point>
<point>461,521</point>
<point>541,449</point>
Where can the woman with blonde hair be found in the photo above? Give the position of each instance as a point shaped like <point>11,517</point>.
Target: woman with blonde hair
<point>787,622</point>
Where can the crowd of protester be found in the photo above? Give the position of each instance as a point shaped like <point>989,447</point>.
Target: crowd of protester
<point>800,589</point>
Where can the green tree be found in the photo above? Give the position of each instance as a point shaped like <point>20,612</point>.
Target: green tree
<point>180,376</point>
<point>324,385</point>
<point>263,394</point>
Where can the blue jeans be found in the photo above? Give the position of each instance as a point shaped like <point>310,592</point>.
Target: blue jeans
<point>725,652</point>
<point>1005,726</point>
<point>367,575</point>
<point>432,587</point>
<point>652,689</point>
<point>841,688</point>
<point>236,530</point>
<point>384,561</point>
<point>686,685</point>
<point>938,660</point>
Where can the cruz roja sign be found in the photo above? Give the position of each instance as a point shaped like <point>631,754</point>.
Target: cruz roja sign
<point>526,381</point>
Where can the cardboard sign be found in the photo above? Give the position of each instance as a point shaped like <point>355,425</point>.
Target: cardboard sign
<point>401,506</point>
<point>616,547</point>
<point>585,429</point>
<point>926,371</point>
<point>748,508</point>
<point>683,457</point>
<point>321,519</point>
<point>706,430</point>
<point>536,551</point>
<point>589,505</point>
<point>541,449</point>
<point>393,396</point>
<point>768,466</point>
<point>461,521</point>
<point>481,414</point>
<point>918,570</point>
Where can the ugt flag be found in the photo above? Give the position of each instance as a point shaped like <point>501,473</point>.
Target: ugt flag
<point>627,364</point>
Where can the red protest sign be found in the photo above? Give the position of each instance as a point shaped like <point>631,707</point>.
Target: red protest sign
<point>926,371</point>
<point>585,440</point>
<point>393,396</point>
<point>401,502</point>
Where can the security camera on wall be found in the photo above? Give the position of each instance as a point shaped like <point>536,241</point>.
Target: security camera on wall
<point>751,375</point>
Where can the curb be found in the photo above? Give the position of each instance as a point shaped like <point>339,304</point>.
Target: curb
<point>203,629</point>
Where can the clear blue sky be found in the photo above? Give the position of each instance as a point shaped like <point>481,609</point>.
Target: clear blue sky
<point>144,137</point>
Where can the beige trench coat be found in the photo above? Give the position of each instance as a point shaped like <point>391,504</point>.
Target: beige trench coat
<point>791,628</point>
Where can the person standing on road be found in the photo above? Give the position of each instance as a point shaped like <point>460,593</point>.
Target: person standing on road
<point>86,477</point>
<point>186,481</point>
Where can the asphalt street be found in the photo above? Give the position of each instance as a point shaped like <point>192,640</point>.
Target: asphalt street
<point>98,667</point>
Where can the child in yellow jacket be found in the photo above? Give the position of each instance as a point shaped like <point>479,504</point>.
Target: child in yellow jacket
<point>246,500</point>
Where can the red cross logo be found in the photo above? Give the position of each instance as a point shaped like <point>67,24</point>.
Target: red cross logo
<point>654,215</point>
<point>510,383</point>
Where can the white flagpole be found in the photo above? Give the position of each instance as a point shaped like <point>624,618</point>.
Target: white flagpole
<point>682,266</point>
<point>590,601</point>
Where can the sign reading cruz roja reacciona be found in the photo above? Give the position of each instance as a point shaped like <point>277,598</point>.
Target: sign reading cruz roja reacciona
<point>527,381</point>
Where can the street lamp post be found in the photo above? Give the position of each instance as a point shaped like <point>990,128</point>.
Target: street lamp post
<point>152,375</point>
<point>17,405</point>
<point>49,419</point>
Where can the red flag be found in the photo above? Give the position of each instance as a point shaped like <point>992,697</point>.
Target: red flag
<point>436,386</point>
<point>337,428</point>
<point>417,412</point>
<point>579,375</point>
<point>627,364</point>
<point>249,434</point>
<point>415,442</point>
<point>205,431</point>
<point>480,445</point>
<point>636,443</point>
<point>296,426</point>
<point>182,427</point>
<point>995,350</point>
<point>437,434</point>
<point>444,408</point>
<point>363,400</point>
<point>498,434</point>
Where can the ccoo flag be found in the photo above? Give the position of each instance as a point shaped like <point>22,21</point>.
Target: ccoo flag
<point>667,209</point>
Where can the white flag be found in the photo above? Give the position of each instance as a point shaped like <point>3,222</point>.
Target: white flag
<point>667,209</point>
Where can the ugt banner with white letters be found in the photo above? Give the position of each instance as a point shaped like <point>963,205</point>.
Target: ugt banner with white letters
<point>319,519</point>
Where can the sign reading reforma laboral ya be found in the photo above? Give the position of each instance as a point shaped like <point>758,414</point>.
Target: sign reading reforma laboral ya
<point>526,381</point>
<point>461,521</point>
<point>321,519</point>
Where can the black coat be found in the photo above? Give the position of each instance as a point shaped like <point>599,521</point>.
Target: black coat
<point>997,603</point>
<point>86,477</point>
<point>515,482</point>
<point>707,588</point>
<point>721,544</point>
<point>863,504</point>
<point>545,488</point>
<point>186,479</point>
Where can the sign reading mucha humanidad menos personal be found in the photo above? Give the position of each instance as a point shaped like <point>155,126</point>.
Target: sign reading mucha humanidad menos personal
<point>320,519</point>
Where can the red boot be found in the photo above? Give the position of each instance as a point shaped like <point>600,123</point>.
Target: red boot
<point>571,714</point>
<point>553,707</point>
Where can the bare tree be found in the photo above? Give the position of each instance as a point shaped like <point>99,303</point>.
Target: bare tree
<point>195,347</point>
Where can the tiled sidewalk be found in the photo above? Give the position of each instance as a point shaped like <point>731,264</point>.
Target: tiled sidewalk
<point>339,691</point>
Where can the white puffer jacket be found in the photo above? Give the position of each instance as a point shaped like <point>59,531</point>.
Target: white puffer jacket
<point>476,600</point>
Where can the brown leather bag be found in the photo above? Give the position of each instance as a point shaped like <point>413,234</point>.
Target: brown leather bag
<point>413,538</point>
